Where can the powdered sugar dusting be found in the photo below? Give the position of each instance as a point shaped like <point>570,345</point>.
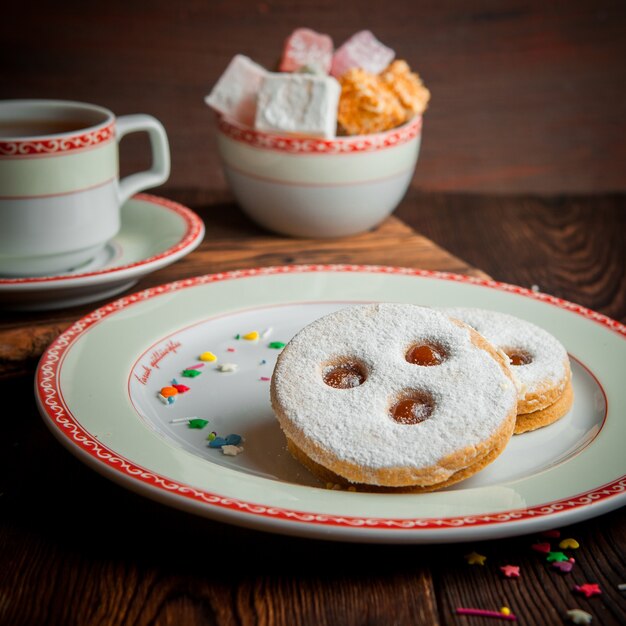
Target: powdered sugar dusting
<point>472,395</point>
<point>549,357</point>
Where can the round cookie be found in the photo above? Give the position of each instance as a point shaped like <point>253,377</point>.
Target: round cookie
<point>538,362</point>
<point>353,408</point>
<point>532,421</point>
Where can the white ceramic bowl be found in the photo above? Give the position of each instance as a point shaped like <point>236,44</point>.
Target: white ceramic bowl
<point>308,187</point>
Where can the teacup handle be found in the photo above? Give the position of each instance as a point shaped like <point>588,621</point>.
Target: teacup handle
<point>160,170</point>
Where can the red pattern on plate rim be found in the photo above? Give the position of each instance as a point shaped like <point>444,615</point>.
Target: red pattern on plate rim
<point>314,146</point>
<point>56,145</point>
<point>193,227</point>
<point>59,415</point>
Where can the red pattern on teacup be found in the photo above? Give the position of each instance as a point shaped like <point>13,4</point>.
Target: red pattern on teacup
<point>40,147</point>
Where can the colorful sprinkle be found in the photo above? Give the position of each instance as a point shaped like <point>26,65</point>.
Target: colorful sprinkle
<point>197,366</point>
<point>229,450</point>
<point>264,378</point>
<point>171,399</point>
<point>227,367</point>
<point>588,589</point>
<point>252,336</point>
<point>208,356</point>
<point>229,440</point>
<point>569,544</point>
<point>191,373</point>
<point>578,616</point>
<point>510,571</point>
<point>182,420</point>
<point>473,558</point>
<point>541,547</point>
<point>230,349</point>
<point>198,423</point>
<point>552,534</point>
<point>556,556</point>
<point>276,345</point>
<point>565,567</point>
<point>237,336</point>
<point>181,388</point>
<point>267,332</point>
<point>166,392</point>
<point>163,399</point>
<point>501,614</point>
<point>262,362</point>
<point>211,436</point>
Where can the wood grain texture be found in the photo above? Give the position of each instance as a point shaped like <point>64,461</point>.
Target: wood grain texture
<point>527,97</point>
<point>570,247</point>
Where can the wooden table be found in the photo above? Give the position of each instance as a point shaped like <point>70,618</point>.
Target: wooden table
<point>77,549</point>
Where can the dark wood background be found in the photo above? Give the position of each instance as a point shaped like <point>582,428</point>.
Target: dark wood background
<point>528,96</point>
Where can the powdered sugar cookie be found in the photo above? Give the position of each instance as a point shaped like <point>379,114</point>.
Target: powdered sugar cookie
<point>393,396</point>
<point>538,361</point>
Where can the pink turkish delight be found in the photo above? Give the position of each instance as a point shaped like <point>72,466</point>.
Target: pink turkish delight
<point>362,51</point>
<point>307,49</point>
<point>235,94</point>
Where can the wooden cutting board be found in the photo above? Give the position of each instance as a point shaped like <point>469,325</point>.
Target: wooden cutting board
<point>233,242</point>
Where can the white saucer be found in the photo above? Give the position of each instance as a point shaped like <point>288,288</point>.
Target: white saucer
<point>155,232</point>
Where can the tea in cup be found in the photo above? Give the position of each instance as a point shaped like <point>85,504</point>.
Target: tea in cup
<point>60,191</point>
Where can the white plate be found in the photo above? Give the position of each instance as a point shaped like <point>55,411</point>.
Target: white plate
<point>154,233</point>
<point>97,389</point>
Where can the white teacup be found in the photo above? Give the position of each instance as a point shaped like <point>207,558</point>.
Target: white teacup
<point>60,192</point>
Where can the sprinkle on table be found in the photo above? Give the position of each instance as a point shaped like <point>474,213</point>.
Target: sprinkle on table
<point>276,345</point>
<point>565,567</point>
<point>208,356</point>
<point>578,616</point>
<point>504,613</point>
<point>541,547</point>
<point>569,544</point>
<point>473,558</point>
<point>588,589</point>
<point>180,388</point>
<point>166,392</point>
<point>252,336</point>
<point>510,571</point>
<point>266,333</point>
<point>556,556</point>
<point>265,378</point>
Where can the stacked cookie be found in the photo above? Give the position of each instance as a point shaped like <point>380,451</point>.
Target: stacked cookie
<point>538,362</point>
<point>394,397</point>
